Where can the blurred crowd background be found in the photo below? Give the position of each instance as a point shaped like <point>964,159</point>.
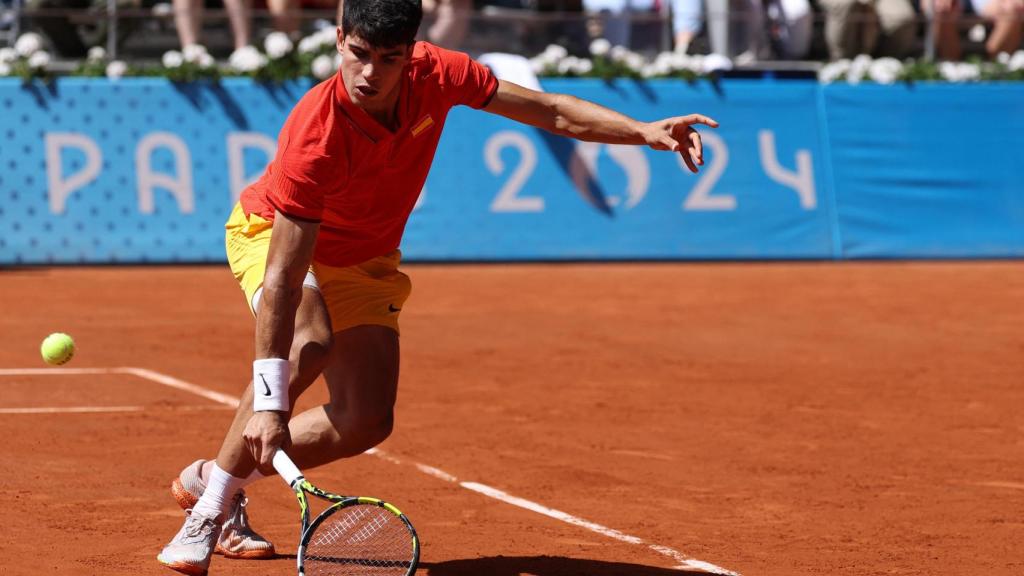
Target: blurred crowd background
<point>749,32</point>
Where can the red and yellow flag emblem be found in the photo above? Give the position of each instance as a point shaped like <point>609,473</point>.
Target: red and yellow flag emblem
<point>422,126</point>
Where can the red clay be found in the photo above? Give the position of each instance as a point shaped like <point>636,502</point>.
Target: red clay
<point>776,419</point>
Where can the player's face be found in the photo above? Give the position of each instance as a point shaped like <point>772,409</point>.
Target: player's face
<point>372,74</point>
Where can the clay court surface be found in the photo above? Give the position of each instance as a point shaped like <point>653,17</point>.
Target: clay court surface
<point>772,419</point>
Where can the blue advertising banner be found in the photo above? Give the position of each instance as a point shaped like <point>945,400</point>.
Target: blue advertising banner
<point>145,170</point>
<point>928,170</point>
<point>502,190</point>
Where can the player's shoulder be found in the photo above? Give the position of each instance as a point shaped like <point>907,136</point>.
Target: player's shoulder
<point>311,140</point>
<point>430,60</point>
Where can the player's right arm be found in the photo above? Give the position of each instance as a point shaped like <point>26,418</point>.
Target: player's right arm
<point>289,257</point>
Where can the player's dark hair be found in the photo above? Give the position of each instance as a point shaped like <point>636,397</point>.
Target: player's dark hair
<point>383,23</point>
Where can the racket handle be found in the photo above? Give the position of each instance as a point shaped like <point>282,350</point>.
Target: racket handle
<point>286,468</point>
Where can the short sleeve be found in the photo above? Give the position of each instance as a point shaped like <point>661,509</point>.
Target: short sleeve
<point>307,166</point>
<point>466,81</point>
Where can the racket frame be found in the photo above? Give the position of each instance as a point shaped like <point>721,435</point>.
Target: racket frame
<point>302,487</point>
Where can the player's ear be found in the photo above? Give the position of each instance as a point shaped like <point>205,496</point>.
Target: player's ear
<point>341,40</point>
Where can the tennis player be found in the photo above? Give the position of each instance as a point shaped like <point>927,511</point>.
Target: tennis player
<point>314,244</point>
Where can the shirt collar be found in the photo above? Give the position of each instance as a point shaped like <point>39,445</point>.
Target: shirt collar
<point>366,123</point>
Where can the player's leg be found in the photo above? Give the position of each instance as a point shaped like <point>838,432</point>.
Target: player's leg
<point>213,491</point>
<point>364,303</point>
<point>362,377</point>
<point>311,348</point>
<point>217,516</point>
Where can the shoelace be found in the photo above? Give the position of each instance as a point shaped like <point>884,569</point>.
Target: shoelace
<point>238,513</point>
<point>195,524</point>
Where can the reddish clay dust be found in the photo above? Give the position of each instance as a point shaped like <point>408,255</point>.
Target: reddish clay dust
<point>773,419</point>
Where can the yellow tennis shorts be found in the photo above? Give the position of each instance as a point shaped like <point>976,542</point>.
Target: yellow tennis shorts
<point>372,292</point>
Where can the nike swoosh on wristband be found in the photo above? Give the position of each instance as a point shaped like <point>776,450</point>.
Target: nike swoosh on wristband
<point>265,385</point>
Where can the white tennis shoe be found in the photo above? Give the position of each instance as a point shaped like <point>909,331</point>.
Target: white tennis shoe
<point>190,550</point>
<point>237,539</point>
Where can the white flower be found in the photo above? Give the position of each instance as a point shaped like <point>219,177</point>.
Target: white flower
<point>309,44</point>
<point>538,65</point>
<point>1016,62</point>
<point>247,59</point>
<point>97,53</point>
<point>618,53</point>
<point>328,36</point>
<point>649,71</point>
<point>116,69</point>
<point>634,61</point>
<point>8,55</point>
<point>583,67</point>
<point>600,47</point>
<point>833,71</point>
<point>970,71</point>
<point>172,59</point>
<point>28,44</point>
<point>885,70</point>
<point>715,63</point>
<point>1003,58</point>
<point>39,60</point>
<point>277,45</point>
<point>858,69</point>
<point>5,69</point>
<point>567,65</point>
<point>959,71</point>
<point>322,66</point>
<point>193,53</point>
<point>554,52</point>
<point>206,62</point>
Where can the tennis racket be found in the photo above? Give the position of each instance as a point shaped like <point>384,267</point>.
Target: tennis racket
<point>353,536</point>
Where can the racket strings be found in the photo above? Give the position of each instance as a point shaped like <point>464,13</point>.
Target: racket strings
<point>363,540</point>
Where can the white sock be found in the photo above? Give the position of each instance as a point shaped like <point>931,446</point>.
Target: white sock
<point>221,487</point>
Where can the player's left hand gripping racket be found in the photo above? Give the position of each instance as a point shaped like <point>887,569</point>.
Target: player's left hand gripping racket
<point>353,536</point>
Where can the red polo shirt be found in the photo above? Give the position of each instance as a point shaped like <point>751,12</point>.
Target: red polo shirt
<point>337,165</point>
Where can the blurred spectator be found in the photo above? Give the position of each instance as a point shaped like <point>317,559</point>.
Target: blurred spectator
<point>944,17</point>
<point>1006,16</point>
<point>188,17</point>
<point>450,20</point>
<point>68,38</point>
<point>875,27</point>
<point>286,14</point>
<point>687,19</point>
<point>615,18</point>
<point>737,28</point>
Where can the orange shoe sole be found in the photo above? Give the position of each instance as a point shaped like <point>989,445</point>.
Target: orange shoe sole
<point>183,497</point>
<point>250,555</point>
<point>183,568</point>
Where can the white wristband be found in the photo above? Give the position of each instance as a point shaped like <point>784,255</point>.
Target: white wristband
<point>270,384</point>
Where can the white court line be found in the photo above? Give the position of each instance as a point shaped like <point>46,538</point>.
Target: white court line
<point>150,375</point>
<point>182,385</point>
<point>104,409</point>
<point>684,560</point>
<point>72,410</point>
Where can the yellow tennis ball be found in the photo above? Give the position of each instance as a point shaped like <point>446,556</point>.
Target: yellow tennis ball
<point>57,348</point>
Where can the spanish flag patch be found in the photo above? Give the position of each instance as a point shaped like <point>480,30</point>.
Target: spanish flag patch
<point>422,126</point>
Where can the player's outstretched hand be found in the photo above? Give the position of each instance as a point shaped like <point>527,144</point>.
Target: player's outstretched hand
<point>266,433</point>
<point>677,134</point>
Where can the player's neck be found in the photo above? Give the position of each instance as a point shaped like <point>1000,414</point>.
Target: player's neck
<point>386,114</point>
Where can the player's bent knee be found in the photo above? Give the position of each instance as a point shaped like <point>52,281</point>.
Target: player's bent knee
<point>357,433</point>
